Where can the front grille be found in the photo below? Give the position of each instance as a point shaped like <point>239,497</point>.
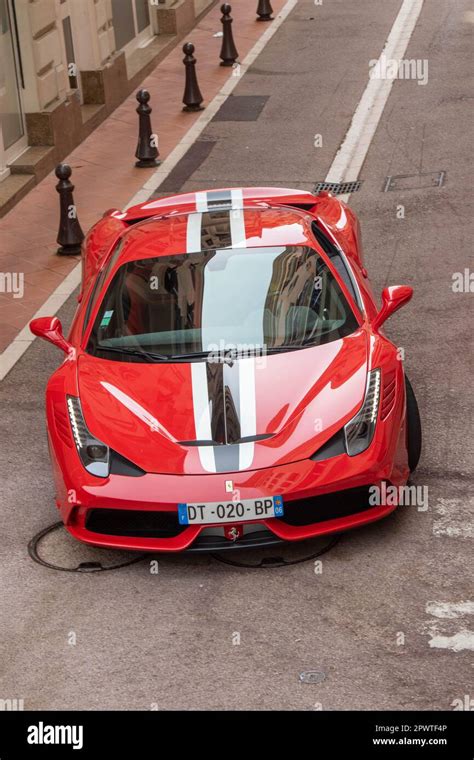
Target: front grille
<point>327,507</point>
<point>131,522</point>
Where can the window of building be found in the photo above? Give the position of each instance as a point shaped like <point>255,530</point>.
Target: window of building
<point>131,23</point>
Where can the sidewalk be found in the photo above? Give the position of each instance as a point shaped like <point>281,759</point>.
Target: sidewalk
<point>104,174</point>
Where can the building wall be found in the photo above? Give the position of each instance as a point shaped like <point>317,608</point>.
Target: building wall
<point>43,49</point>
<point>63,100</point>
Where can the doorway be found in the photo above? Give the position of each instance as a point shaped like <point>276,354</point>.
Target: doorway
<point>13,140</point>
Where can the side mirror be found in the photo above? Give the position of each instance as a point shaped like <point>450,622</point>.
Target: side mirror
<point>50,328</point>
<point>392,299</point>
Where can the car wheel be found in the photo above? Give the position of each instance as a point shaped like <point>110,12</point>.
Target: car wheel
<point>413,427</point>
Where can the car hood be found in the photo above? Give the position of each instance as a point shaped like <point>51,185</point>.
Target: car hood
<point>202,417</point>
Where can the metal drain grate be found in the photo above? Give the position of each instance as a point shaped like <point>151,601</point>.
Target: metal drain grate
<point>414,181</point>
<point>338,188</point>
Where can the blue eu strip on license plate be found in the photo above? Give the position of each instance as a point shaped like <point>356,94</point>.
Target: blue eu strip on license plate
<point>183,514</point>
<point>208,513</point>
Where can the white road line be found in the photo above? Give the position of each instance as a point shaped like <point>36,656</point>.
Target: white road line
<point>442,635</point>
<point>454,518</point>
<point>51,306</point>
<point>347,162</point>
<point>353,151</point>
<point>461,640</point>
<point>450,609</point>
<point>24,339</point>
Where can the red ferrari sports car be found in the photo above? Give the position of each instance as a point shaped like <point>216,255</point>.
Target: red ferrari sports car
<point>226,381</point>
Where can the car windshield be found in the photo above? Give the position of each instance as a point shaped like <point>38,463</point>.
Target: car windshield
<point>240,300</point>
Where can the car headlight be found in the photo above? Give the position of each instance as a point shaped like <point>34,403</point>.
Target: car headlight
<point>93,453</point>
<point>360,430</point>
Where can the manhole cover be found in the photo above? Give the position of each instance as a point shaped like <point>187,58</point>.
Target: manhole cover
<point>414,181</point>
<point>241,108</point>
<point>57,549</point>
<point>312,676</point>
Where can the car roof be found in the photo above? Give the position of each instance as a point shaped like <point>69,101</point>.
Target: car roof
<point>216,228</point>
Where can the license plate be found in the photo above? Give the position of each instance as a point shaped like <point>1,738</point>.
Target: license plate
<point>205,513</point>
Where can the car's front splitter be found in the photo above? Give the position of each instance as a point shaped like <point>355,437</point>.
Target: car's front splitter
<point>299,483</point>
<point>274,531</point>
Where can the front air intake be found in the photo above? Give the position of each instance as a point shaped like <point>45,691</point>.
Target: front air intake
<point>329,506</point>
<point>137,523</point>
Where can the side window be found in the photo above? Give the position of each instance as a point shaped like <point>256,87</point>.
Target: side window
<point>336,260</point>
<point>341,268</point>
<point>324,241</point>
<point>93,298</point>
<point>101,277</point>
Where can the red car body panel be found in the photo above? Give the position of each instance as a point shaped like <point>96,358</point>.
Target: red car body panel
<point>147,426</point>
<point>144,412</point>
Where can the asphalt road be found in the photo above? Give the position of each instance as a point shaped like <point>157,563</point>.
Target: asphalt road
<point>384,620</point>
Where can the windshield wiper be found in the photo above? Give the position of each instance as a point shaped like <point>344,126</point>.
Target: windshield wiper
<point>190,355</point>
<point>277,349</point>
<point>198,355</point>
<point>134,352</point>
<point>223,356</point>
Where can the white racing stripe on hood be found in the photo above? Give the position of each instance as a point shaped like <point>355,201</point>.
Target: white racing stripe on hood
<point>237,223</point>
<point>206,202</point>
<point>237,197</point>
<point>201,201</point>
<point>247,414</point>
<point>245,367</point>
<point>247,411</point>
<point>193,233</point>
<point>237,228</point>
<point>202,414</point>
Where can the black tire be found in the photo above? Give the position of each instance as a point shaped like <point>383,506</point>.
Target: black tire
<point>413,427</point>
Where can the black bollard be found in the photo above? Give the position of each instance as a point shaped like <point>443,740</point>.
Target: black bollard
<point>192,97</point>
<point>70,235</point>
<point>229,52</point>
<point>147,151</point>
<point>264,10</point>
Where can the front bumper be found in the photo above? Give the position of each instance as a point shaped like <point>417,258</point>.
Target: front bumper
<point>319,498</point>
